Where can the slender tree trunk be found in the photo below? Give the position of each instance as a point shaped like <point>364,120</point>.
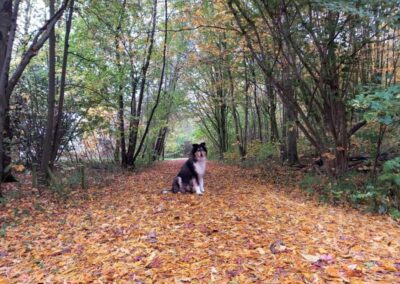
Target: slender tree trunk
<point>222,125</point>
<point>272,117</point>
<point>121,127</point>
<point>246,108</point>
<point>60,109</point>
<point>160,85</point>
<point>121,106</point>
<point>256,103</point>
<point>289,137</point>
<point>160,142</point>
<point>289,133</point>
<point>47,143</point>
<point>236,118</point>
<point>292,156</point>
<point>134,125</point>
<point>283,142</point>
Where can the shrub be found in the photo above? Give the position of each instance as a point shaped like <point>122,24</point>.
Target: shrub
<point>389,181</point>
<point>260,151</point>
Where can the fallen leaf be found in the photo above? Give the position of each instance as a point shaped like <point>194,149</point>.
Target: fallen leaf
<point>333,272</point>
<point>310,257</point>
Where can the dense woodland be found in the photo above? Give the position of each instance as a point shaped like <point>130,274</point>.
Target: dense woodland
<point>298,102</point>
<point>311,84</point>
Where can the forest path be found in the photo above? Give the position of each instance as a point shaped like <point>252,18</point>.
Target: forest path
<point>241,231</point>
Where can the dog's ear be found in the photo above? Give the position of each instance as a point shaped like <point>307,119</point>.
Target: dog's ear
<point>195,145</point>
<point>203,144</point>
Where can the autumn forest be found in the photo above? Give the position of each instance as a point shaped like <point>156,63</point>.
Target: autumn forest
<point>298,102</point>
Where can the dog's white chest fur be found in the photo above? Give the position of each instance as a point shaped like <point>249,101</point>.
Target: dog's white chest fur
<point>200,168</point>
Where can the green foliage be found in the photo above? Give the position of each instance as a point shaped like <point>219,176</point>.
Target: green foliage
<point>105,164</point>
<point>391,173</point>
<point>257,153</point>
<point>261,152</point>
<point>389,180</point>
<point>182,132</point>
<point>3,230</point>
<point>379,104</point>
<point>381,196</point>
<point>332,190</point>
<point>395,213</point>
<point>311,183</point>
<point>61,184</point>
<point>39,207</point>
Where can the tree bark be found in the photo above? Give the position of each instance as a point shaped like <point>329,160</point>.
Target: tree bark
<point>291,139</point>
<point>256,103</point>
<point>134,122</point>
<point>8,26</point>
<point>160,84</point>
<point>60,110</point>
<point>160,143</point>
<point>236,119</point>
<point>48,141</point>
<point>7,82</point>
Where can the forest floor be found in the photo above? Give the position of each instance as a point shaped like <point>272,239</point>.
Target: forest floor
<point>243,230</point>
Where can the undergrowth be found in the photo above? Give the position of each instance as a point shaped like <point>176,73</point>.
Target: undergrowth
<point>381,195</point>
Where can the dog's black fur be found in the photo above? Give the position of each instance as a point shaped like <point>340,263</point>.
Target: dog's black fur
<point>189,177</point>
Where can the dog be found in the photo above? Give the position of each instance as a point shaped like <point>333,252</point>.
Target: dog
<point>191,176</point>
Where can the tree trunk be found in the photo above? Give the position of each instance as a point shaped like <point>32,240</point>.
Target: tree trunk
<point>161,83</point>
<point>256,103</point>
<point>160,143</point>
<point>60,110</point>
<point>272,117</point>
<point>292,156</point>
<point>289,138</point>
<point>48,141</point>
<point>121,128</point>
<point>121,107</point>
<point>8,23</point>
<point>236,119</point>
<point>134,123</point>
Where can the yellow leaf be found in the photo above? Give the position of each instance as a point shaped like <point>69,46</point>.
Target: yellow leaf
<point>389,267</point>
<point>18,168</point>
<point>261,251</point>
<point>333,271</point>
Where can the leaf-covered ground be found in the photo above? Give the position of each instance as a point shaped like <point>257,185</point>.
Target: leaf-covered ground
<point>241,231</point>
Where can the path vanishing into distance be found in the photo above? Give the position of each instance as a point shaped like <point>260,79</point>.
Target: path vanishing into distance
<point>243,230</point>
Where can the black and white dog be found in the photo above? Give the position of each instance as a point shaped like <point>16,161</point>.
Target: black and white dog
<point>191,176</point>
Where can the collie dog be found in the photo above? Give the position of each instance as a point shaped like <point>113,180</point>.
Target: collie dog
<point>191,176</point>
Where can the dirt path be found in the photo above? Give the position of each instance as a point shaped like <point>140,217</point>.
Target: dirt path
<point>240,231</point>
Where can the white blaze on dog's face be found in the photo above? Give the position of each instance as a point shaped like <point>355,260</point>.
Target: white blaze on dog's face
<point>199,151</point>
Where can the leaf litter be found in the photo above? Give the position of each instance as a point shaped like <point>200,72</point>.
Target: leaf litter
<point>243,230</point>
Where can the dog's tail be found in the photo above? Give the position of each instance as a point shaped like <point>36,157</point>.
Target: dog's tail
<point>176,186</point>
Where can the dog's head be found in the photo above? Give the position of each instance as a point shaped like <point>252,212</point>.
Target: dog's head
<point>199,151</point>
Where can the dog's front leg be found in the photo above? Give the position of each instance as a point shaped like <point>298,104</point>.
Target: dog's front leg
<point>201,181</point>
<point>197,187</point>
